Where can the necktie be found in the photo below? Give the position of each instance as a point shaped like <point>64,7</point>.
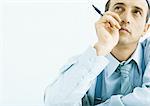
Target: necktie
<point>126,85</point>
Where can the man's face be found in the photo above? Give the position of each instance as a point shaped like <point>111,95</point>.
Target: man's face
<point>133,15</point>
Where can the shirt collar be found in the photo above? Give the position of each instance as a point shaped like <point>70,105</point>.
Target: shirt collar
<point>137,56</point>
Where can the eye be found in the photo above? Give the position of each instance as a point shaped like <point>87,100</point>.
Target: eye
<point>118,9</point>
<point>137,12</point>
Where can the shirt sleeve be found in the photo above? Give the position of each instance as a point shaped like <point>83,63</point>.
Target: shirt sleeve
<point>75,79</point>
<point>139,97</point>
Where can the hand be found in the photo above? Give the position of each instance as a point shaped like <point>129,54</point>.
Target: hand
<point>107,29</point>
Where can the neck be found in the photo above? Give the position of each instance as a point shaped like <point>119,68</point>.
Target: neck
<point>123,52</point>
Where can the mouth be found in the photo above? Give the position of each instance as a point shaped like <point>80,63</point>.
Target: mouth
<point>124,30</point>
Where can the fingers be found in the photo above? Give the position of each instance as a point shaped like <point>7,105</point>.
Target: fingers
<point>102,31</point>
<point>113,22</point>
<point>112,18</point>
<point>114,15</point>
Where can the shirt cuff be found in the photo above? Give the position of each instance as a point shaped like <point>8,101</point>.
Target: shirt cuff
<point>92,62</point>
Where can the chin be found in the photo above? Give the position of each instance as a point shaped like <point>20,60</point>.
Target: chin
<point>123,41</point>
<point>124,38</point>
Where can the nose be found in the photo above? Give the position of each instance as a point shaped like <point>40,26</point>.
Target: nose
<point>126,17</point>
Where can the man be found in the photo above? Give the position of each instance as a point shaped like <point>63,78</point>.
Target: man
<point>114,71</point>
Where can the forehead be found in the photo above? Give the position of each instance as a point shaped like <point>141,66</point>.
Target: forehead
<point>131,3</point>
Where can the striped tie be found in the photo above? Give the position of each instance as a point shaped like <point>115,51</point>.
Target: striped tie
<point>126,86</point>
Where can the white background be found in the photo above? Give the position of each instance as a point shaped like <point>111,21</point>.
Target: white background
<point>36,38</point>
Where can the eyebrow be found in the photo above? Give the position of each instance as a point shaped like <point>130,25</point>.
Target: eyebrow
<point>119,4</point>
<point>125,5</point>
<point>138,8</point>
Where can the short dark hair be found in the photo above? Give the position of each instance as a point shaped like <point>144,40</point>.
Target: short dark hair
<point>148,13</point>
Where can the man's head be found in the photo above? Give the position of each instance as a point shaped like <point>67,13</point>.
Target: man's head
<point>134,15</point>
<point>148,13</point>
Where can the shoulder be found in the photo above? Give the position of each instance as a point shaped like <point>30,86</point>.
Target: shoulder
<point>146,42</point>
<point>146,49</point>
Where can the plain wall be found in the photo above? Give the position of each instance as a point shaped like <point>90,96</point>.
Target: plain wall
<point>38,38</point>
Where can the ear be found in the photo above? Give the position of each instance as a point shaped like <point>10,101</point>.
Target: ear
<point>146,28</point>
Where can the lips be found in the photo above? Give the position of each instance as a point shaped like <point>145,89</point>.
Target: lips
<point>124,29</point>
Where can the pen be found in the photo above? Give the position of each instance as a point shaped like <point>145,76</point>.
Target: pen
<point>97,10</point>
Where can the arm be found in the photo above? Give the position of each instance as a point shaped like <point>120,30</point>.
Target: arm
<point>139,97</point>
<point>75,79</point>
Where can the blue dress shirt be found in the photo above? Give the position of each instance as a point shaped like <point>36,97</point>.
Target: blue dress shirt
<point>110,79</point>
<point>75,86</point>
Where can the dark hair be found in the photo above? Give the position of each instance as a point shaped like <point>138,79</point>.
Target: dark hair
<point>148,13</point>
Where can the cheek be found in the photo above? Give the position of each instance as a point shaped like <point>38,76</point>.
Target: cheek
<point>138,28</point>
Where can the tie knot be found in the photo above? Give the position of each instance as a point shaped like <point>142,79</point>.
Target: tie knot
<point>124,69</point>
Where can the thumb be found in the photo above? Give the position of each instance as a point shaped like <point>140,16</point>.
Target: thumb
<point>115,33</point>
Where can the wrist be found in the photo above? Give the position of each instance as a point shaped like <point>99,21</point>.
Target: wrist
<point>101,50</point>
